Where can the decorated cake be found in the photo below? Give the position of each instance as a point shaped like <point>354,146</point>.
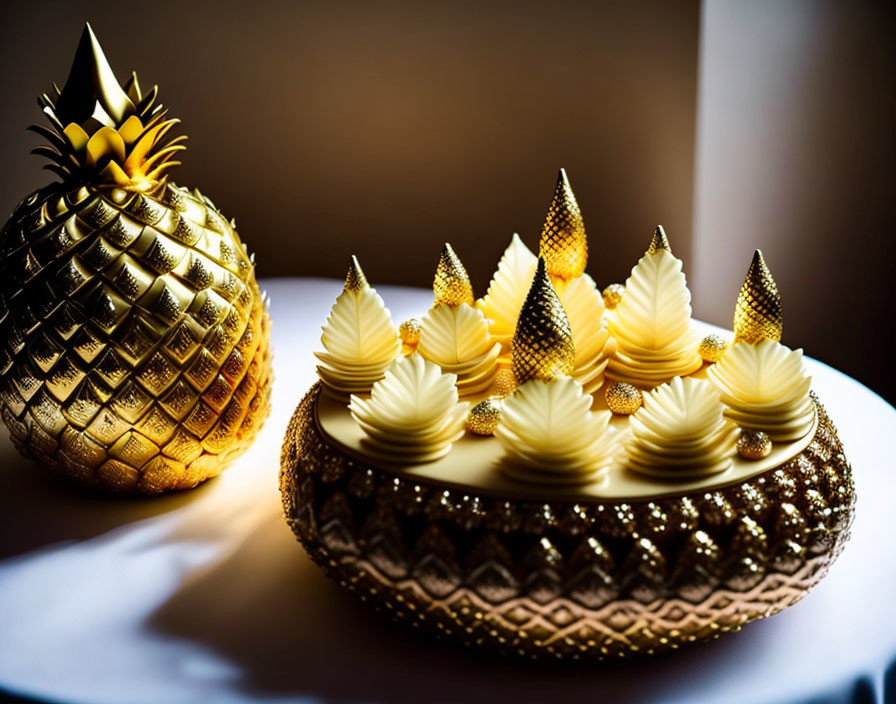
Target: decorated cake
<point>555,470</point>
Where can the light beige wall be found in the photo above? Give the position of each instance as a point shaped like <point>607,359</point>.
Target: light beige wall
<point>796,156</point>
<point>386,128</point>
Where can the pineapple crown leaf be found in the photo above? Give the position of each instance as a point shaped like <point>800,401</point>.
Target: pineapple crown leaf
<point>103,132</point>
<point>91,81</point>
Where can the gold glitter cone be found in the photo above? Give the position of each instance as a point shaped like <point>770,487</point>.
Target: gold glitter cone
<point>563,243</point>
<point>659,241</point>
<point>757,315</point>
<point>452,284</point>
<point>542,342</point>
<point>355,280</point>
<point>134,350</point>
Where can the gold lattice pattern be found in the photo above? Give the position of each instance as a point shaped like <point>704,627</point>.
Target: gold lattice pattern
<point>133,337</point>
<point>542,346</point>
<point>564,245</point>
<point>594,580</point>
<point>758,312</point>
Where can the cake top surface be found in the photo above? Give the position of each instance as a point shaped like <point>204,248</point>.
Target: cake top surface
<point>564,389</point>
<point>476,462</point>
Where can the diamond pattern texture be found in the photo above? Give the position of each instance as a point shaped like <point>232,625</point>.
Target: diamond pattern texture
<point>564,245</point>
<point>757,315</point>
<point>542,343</point>
<point>134,349</point>
<point>595,580</point>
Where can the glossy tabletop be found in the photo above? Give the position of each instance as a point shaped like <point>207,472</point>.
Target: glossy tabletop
<point>205,596</point>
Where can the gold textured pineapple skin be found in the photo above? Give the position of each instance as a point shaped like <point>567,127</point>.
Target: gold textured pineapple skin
<point>134,341</point>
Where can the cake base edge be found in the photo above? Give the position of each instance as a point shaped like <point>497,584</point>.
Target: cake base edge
<point>564,580</point>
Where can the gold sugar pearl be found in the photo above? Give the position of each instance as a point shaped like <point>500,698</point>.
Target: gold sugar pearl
<point>712,347</point>
<point>409,331</point>
<point>623,399</point>
<point>504,383</point>
<point>484,417</point>
<point>613,295</point>
<point>753,444</point>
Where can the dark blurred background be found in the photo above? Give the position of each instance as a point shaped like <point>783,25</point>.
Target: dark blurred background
<point>384,129</point>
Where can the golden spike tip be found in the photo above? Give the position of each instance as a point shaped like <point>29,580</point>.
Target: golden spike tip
<point>757,315</point>
<point>451,285</point>
<point>355,279</point>
<point>91,81</point>
<point>563,243</point>
<point>542,342</point>
<point>659,241</point>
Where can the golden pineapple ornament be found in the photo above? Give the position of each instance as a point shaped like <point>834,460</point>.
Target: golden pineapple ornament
<point>135,351</point>
<point>758,312</point>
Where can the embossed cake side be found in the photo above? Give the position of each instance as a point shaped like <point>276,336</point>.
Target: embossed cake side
<point>589,580</point>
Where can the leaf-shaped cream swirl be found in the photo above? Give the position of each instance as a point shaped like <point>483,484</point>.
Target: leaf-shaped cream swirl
<point>412,415</point>
<point>680,432</point>
<point>584,307</point>
<point>550,435</point>
<point>359,338</point>
<point>652,325</point>
<point>765,386</point>
<point>457,339</point>
<point>507,291</point>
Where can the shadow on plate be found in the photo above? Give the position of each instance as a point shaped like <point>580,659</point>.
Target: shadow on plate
<point>292,633</point>
<point>38,509</point>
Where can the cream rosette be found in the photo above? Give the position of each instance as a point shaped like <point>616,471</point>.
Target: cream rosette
<point>584,307</point>
<point>765,386</point>
<point>652,324</point>
<point>360,342</point>
<point>551,436</point>
<point>412,415</point>
<point>680,432</point>
<point>507,291</point>
<point>457,339</point>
